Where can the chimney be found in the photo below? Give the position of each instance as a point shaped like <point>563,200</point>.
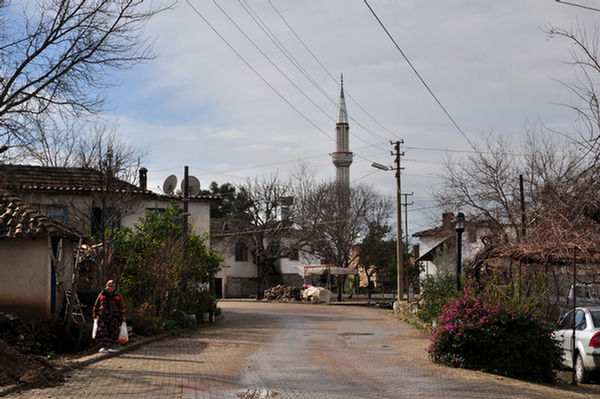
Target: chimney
<point>143,178</point>
<point>447,218</point>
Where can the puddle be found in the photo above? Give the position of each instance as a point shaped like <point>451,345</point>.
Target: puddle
<point>348,334</point>
<point>258,393</point>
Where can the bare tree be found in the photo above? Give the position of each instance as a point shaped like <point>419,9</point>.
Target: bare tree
<point>485,184</point>
<point>584,57</point>
<point>48,141</point>
<point>56,55</point>
<point>103,150</point>
<point>330,233</point>
<point>262,226</point>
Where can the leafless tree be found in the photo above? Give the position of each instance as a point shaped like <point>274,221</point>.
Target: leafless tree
<point>261,225</point>
<point>329,233</point>
<point>55,55</point>
<point>486,184</point>
<point>584,58</point>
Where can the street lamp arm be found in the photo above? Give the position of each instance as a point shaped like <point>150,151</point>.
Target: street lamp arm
<point>380,166</point>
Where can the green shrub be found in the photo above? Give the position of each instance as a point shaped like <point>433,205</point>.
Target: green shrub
<point>206,302</point>
<point>487,331</point>
<point>435,292</point>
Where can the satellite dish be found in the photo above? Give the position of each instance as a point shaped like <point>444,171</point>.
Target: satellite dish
<point>170,184</point>
<point>193,185</point>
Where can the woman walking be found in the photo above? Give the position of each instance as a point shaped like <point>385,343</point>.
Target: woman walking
<point>110,312</point>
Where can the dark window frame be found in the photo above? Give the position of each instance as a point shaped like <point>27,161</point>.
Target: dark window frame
<point>241,252</point>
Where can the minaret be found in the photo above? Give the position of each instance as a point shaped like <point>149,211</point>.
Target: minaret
<point>342,157</point>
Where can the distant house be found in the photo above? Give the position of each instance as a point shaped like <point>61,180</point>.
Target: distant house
<point>238,277</point>
<point>37,259</point>
<point>437,246</point>
<point>377,280</point>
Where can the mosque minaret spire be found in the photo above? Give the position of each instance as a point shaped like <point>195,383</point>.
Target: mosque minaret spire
<point>342,157</point>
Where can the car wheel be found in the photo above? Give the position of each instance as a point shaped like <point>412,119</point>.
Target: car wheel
<point>581,374</point>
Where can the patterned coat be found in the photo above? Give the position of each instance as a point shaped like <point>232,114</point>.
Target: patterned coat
<point>109,311</point>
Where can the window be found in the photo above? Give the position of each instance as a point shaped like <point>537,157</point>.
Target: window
<point>294,255</point>
<point>580,323</point>
<point>105,218</point>
<point>57,212</point>
<point>241,252</point>
<point>595,317</point>
<point>567,322</point>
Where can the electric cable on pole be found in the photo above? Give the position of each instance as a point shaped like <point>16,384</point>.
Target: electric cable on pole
<point>406,205</point>
<point>399,261</point>
<point>185,211</point>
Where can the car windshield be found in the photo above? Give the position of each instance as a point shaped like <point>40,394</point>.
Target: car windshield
<point>595,317</point>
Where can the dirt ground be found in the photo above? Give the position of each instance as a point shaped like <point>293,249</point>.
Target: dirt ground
<point>28,371</point>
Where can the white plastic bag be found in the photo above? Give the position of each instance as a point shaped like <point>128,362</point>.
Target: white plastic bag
<point>95,329</point>
<point>123,336</point>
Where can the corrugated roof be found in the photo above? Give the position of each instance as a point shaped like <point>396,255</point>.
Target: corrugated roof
<point>19,219</point>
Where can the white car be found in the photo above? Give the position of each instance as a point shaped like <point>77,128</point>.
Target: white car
<point>587,341</point>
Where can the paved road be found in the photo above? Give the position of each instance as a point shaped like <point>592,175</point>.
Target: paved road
<point>267,350</point>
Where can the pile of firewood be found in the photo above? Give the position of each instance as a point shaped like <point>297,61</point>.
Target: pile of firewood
<point>282,292</point>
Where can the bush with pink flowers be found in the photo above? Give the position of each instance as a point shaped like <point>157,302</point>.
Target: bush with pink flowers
<point>489,331</point>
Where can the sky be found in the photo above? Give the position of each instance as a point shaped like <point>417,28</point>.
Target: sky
<point>234,104</point>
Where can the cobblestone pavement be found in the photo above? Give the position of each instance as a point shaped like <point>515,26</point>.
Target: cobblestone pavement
<point>268,350</point>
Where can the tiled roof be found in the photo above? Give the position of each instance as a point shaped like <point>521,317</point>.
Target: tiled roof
<point>46,178</point>
<point>222,226</point>
<point>40,177</point>
<point>19,219</point>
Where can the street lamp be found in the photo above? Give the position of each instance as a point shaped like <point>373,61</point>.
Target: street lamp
<point>459,227</point>
<point>399,266</point>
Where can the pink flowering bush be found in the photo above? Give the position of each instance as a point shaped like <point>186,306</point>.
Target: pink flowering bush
<point>486,331</point>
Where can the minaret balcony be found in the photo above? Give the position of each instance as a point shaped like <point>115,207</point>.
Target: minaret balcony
<point>342,159</point>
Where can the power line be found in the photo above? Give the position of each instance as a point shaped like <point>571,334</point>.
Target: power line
<point>419,76</point>
<point>326,70</point>
<point>282,48</point>
<point>577,5</point>
<point>260,76</point>
<point>257,73</point>
<point>285,53</point>
<point>273,63</point>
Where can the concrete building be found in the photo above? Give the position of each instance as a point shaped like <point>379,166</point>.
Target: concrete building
<point>37,259</point>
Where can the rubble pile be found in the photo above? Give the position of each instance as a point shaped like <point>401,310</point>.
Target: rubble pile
<point>282,292</point>
<point>27,370</point>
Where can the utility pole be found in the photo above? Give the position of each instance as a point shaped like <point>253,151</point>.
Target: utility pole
<point>399,261</point>
<point>406,204</point>
<point>523,219</point>
<point>185,211</point>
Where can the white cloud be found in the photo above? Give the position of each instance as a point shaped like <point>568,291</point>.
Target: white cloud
<point>198,104</point>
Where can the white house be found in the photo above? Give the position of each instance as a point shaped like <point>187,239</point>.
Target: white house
<point>83,200</point>
<point>437,246</point>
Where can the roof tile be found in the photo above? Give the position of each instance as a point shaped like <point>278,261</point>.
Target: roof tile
<point>19,219</point>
